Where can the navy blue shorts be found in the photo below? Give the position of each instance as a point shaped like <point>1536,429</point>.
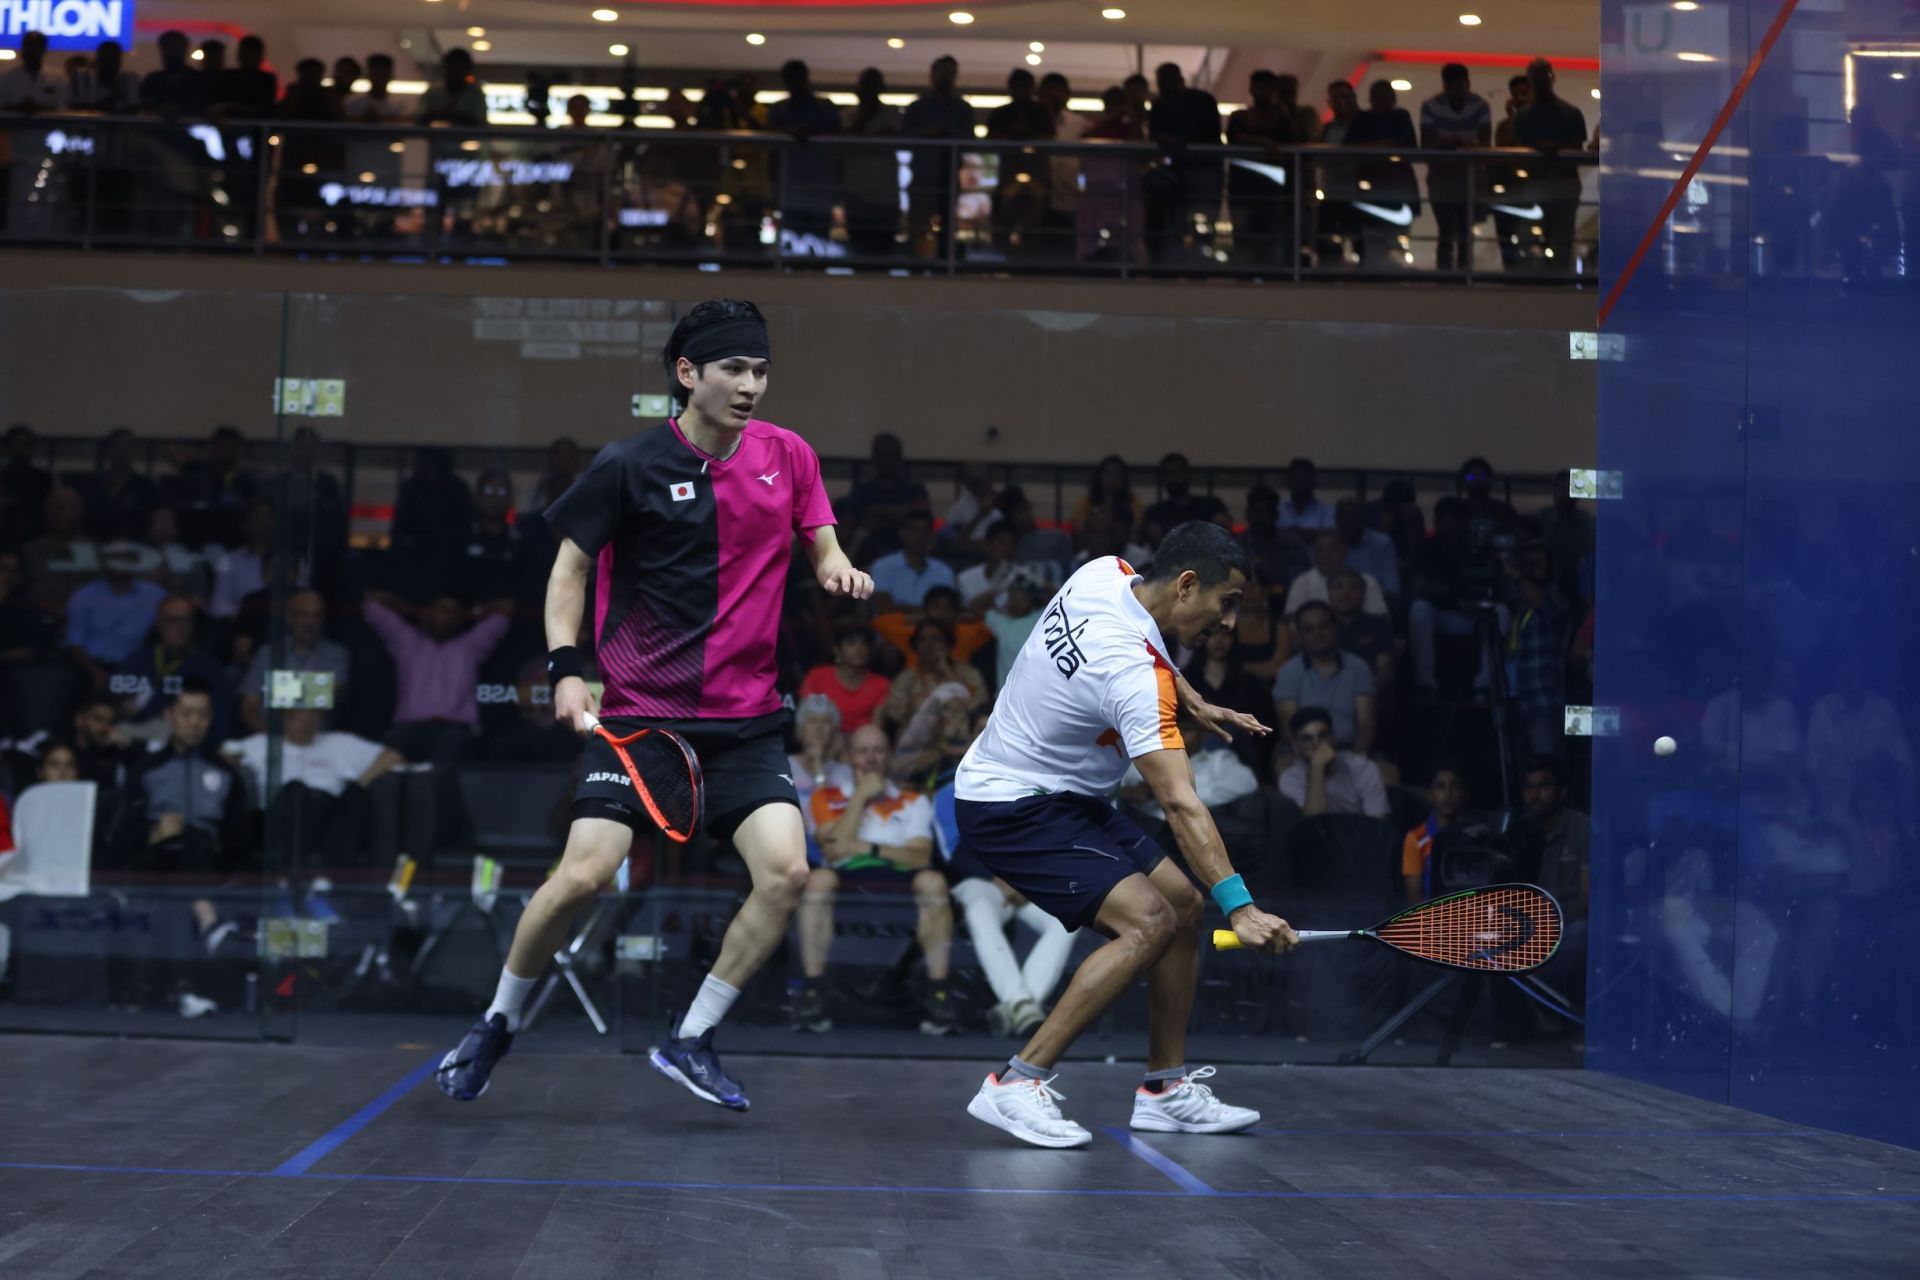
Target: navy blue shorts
<point>1063,852</point>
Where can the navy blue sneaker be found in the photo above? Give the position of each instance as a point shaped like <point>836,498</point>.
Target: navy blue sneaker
<point>693,1063</point>
<point>463,1074</point>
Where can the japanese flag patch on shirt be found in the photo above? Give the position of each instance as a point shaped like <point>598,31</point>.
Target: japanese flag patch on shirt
<point>682,492</point>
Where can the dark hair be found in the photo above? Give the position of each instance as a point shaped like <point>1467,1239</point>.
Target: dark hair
<point>946,59</point>
<point>851,629</point>
<point>943,593</point>
<point>1180,458</point>
<point>1168,69</point>
<point>1476,463</point>
<point>1097,494</point>
<point>1514,82</point>
<point>379,60</point>
<point>1052,78</point>
<point>946,632</point>
<point>703,314</point>
<point>1019,75</point>
<point>917,516</point>
<point>91,701</point>
<point>1302,611</point>
<point>1453,71</point>
<point>1547,765</point>
<point>793,67</point>
<point>1341,576</point>
<point>226,431</point>
<point>1339,84</point>
<point>194,684</point>
<point>1202,546</point>
<point>997,528</point>
<point>1306,716</point>
<point>252,42</point>
<point>1446,764</point>
<point>1262,77</point>
<point>1261,493</point>
<point>1297,463</point>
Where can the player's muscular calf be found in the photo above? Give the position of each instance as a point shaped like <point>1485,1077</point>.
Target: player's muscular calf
<point>1141,924</point>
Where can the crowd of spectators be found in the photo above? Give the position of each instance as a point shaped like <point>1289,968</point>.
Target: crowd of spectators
<point>139,651</point>
<point>1169,204</point>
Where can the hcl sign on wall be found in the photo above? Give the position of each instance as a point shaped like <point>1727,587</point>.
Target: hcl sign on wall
<point>67,24</point>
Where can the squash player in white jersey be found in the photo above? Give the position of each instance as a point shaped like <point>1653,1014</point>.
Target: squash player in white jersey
<point>1094,688</point>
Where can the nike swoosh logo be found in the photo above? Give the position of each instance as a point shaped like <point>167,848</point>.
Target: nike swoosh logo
<point>1274,171</point>
<point>1399,215</point>
<point>1531,212</point>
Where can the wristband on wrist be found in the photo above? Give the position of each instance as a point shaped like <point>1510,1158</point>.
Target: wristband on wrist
<point>563,662</point>
<point>1231,895</point>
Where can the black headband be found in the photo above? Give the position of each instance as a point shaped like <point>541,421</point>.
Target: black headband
<point>743,336</point>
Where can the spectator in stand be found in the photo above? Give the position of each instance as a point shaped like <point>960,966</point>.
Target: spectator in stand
<point>535,737</point>
<point>1455,117</point>
<point>1855,741</point>
<point>1110,224</point>
<point>247,90</point>
<point>926,710</point>
<point>120,501</point>
<point>322,799</point>
<point>1446,602</point>
<point>1447,796</point>
<point>60,560</point>
<point>239,573</point>
<point>849,683</point>
<point>557,474</point>
<point>309,158</point>
<point>1110,490</point>
<point>1019,196</point>
<point>821,760</point>
<point>377,105</point>
<point>26,635</point>
<point>212,57</point>
<point>347,72</point>
<point>105,751</point>
<point>109,617</point>
<point>1184,206</point>
<point>1306,120</point>
<point>175,89</point>
<point>23,487</point>
<point>1262,206</point>
<point>1536,649</point>
<point>883,832</point>
<point>1102,536</point>
<point>456,98</point>
<point>903,578</point>
<point>939,113</point>
<point>1386,125</point>
<point>192,802</point>
<point>1303,510</point>
<point>870,177</point>
<point>1277,556</point>
<point>1012,622</point>
<point>150,678</point>
<point>1329,558</point>
<point>1510,229</point>
<point>1367,636</point>
<point>1396,513</point>
<point>1063,171</point>
<point>215,489</point>
<point>1181,503</point>
<point>1557,837</point>
<point>1045,553</point>
<point>812,179</point>
<point>1368,551</point>
<point>1552,125</point>
<point>1567,530</point>
<point>879,503</point>
<point>437,652</point>
<point>984,585</point>
<point>973,513</point>
<point>1323,779</point>
<point>1336,219</point>
<point>1321,676</point>
<point>1486,514</point>
<point>1217,674</point>
<point>306,650</point>
<point>313,505</point>
<point>499,555</point>
<point>33,85</point>
<point>433,506</point>
<point>1261,640</point>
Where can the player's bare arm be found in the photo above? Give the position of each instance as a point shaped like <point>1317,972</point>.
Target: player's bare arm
<point>833,570</point>
<point>1171,778</point>
<point>566,606</point>
<point>1219,721</point>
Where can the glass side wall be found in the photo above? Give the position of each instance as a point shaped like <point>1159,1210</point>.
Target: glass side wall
<point>411,790</point>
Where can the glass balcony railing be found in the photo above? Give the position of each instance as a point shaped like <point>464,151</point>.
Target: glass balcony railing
<point>1106,208</point>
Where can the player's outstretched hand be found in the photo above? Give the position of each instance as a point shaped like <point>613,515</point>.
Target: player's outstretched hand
<point>1259,931</point>
<point>846,581</point>
<point>1222,721</point>
<point>571,702</point>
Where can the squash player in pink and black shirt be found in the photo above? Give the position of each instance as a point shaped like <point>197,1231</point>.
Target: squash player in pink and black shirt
<point>687,529</point>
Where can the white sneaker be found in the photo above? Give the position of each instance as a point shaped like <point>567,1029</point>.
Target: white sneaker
<point>1029,1110</point>
<point>1189,1107</point>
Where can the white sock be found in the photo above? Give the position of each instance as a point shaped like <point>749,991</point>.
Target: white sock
<point>509,998</point>
<point>709,1006</point>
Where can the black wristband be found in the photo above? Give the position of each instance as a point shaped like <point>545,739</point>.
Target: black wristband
<point>563,662</point>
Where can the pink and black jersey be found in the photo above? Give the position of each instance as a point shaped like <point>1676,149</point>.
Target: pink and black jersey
<point>693,553</point>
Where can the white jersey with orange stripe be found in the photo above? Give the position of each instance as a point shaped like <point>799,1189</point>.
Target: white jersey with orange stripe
<point>1091,689</point>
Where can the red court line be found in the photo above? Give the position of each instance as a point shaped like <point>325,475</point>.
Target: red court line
<point>1699,157</point>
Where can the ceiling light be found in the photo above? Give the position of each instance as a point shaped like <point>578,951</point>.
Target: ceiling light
<point>196,55</point>
<point>1685,6</point>
<point>605,15</point>
<point>1694,57</point>
<point>1036,47</point>
<point>1033,59</point>
<point>476,32</point>
<point>960,18</point>
<point>618,50</point>
<point>755,38</point>
<point>1469,19</point>
<point>6,55</point>
<point>1596,95</point>
<point>896,43</point>
<point>1403,86</point>
<point>482,46</point>
<point>1898,75</point>
<point>1113,15</point>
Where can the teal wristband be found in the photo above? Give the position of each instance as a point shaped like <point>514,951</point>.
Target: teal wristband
<point>1231,895</point>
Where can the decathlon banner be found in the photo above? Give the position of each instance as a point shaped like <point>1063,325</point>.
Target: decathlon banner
<point>67,24</point>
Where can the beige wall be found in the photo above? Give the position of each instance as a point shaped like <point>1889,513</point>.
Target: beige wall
<point>1240,374</point>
